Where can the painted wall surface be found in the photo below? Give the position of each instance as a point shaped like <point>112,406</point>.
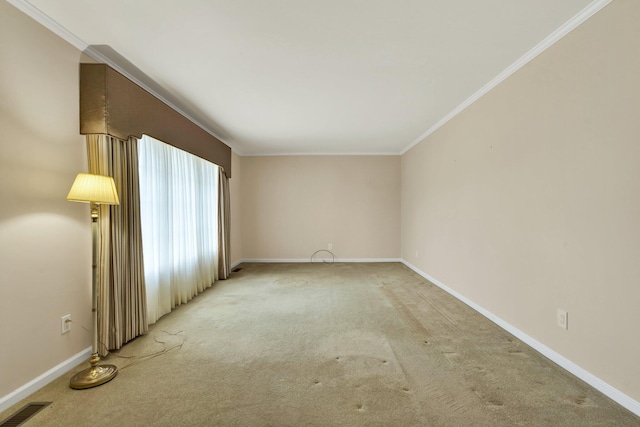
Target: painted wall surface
<point>295,205</point>
<point>529,200</point>
<point>45,241</point>
<point>235,191</point>
<point>524,203</point>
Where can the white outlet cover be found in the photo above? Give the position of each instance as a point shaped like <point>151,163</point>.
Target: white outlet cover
<point>65,324</point>
<point>563,319</point>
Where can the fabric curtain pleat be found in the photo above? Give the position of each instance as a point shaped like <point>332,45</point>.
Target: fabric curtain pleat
<point>122,311</point>
<point>179,208</point>
<point>223,226</point>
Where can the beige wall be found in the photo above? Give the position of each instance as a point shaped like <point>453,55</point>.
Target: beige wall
<point>529,200</point>
<point>45,241</point>
<point>295,205</point>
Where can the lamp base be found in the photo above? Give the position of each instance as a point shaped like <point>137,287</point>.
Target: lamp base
<point>94,376</point>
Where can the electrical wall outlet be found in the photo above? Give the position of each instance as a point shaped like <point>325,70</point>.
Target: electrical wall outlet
<point>563,319</point>
<point>417,254</point>
<point>330,246</point>
<point>65,324</point>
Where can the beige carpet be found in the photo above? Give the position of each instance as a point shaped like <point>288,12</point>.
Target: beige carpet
<point>329,345</point>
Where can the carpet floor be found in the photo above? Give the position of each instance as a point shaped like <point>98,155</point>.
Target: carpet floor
<point>328,345</point>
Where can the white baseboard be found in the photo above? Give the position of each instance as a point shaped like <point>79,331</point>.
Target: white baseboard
<point>613,393</point>
<point>235,264</point>
<point>37,383</point>
<point>317,259</point>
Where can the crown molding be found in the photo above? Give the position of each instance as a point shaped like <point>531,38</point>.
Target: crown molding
<point>53,26</point>
<point>549,41</point>
<point>566,28</point>
<point>50,24</point>
<point>316,154</point>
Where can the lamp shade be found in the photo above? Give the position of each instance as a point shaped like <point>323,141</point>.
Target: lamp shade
<point>90,188</point>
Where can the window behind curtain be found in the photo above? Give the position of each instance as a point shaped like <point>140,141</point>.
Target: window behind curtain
<point>179,215</point>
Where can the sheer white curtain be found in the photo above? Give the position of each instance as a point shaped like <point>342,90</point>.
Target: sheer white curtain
<point>179,215</point>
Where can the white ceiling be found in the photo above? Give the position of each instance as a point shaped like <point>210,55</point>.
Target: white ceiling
<point>314,76</point>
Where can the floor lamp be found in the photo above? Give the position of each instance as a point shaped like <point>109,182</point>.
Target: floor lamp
<point>96,190</point>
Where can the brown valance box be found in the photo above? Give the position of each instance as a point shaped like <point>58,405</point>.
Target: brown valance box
<point>112,104</point>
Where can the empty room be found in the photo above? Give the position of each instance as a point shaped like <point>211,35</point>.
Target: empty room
<point>279,213</point>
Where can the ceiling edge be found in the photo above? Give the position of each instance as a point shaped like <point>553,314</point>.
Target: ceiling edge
<point>317,154</point>
<point>551,39</point>
<point>43,19</point>
<point>53,26</point>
